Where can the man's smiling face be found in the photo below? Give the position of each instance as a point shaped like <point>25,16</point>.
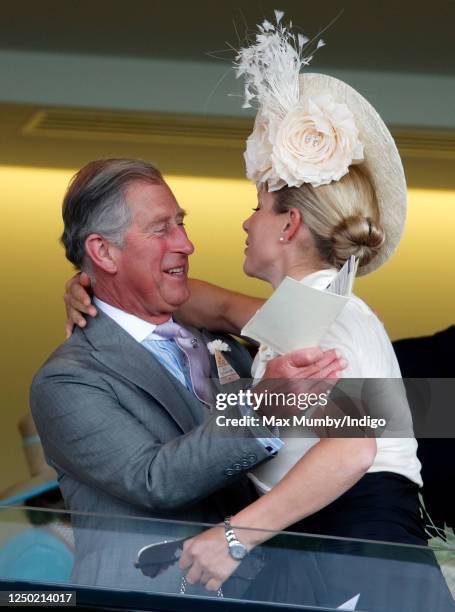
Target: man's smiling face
<point>152,265</point>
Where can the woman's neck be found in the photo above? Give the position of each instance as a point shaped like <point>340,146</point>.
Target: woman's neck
<point>299,271</point>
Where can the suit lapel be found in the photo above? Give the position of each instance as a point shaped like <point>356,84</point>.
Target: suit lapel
<point>118,351</point>
<point>205,337</point>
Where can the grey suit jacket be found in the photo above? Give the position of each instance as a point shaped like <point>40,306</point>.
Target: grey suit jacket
<point>127,439</point>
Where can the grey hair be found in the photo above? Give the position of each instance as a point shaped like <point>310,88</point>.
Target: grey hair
<point>95,204</point>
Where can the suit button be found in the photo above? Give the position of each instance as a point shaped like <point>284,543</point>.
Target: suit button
<point>246,463</point>
<point>228,471</point>
<point>252,458</point>
<point>237,467</point>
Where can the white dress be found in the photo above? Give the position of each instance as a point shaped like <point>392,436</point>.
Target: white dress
<point>360,337</point>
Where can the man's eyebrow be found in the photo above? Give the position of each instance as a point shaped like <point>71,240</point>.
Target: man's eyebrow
<point>181,214</point>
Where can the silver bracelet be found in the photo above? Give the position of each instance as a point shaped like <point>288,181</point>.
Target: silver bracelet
<point>236,549</point>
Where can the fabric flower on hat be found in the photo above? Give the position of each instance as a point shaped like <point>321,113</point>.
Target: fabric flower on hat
<point>315,143</point>
<point>295,139</point>
<point>258,153</point>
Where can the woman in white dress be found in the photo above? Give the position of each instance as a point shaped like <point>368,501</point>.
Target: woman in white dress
<point>363,488</point>
<point>330,186</point>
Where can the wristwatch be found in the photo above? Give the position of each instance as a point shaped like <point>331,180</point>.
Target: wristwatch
<point>236,549</point>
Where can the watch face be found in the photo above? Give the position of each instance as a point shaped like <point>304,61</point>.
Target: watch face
<point>238,551</point>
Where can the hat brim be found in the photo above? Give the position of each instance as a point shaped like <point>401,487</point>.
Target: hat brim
<point>21,492</point>
<point>382,163</point>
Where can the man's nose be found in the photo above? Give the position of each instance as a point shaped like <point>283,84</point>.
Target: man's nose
<point>182,243</point>
<point>245,225</point>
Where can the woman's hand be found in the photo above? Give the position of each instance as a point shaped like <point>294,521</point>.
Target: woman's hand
<point>78,302</point>
<point>207,559</point>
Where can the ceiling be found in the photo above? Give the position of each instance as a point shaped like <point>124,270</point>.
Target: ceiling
<point>398,36</point>
<point>190,158</point>
<point>403,35</point>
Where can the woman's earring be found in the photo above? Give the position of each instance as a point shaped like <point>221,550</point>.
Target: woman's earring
<point>281,239</point>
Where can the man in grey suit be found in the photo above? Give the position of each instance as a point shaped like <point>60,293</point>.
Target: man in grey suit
<point>120,417</point>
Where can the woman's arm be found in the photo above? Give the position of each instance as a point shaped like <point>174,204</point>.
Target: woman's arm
<point>217,309</point>
<point>328,470</point>
<point>209,306</point>
<point>78,301</point>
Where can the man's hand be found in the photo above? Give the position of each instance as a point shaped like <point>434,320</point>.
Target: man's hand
<point>306,363</point>
<point>207,559</point>
<point>77,302</point>
<point>304,371</point>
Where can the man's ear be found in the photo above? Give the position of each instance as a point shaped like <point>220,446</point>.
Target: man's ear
<point>292,224</point>
<point>101,253</point>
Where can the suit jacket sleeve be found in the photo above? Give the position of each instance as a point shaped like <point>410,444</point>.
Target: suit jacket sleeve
<point>88,434</point>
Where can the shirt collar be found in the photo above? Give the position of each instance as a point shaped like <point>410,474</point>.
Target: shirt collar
<point>136,327</point>
<point>321,279</point>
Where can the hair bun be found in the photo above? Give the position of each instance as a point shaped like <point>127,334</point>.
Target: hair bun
<point>359,236</point>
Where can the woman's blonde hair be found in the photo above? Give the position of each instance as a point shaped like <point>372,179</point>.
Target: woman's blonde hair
<point>343,216</point>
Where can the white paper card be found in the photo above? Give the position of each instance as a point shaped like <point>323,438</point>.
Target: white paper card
<point>295,316</point>
<point>343,282</point>
<point>349,605</point>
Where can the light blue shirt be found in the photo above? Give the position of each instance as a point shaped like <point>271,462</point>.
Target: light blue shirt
<point>169,354</point>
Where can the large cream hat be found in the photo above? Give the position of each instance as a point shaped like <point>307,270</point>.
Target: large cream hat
<point>381,163</point>
<point>311,128</point>
<point>42,477</point>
